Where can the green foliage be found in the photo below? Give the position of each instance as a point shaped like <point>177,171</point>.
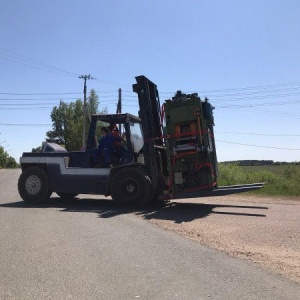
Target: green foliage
<point>283,182</point>
<point>229,174</point>
<point>67,119</point>
<point>3,157</point>
<point>7,161</point>
<point>11,163</point>
<point>73,126</point>
<point>93,102</point>
<point>67,125</point>
<point>37,149</point>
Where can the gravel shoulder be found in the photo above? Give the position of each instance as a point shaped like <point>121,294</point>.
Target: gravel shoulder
<point>264,230</point>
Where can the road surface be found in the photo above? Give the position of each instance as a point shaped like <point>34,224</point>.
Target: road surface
<point>89,249</point>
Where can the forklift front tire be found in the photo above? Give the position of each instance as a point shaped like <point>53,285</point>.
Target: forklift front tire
<point>131,187</point>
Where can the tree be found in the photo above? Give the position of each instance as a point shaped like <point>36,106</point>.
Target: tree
<point>7,161</point>
<point>67,119</point>
<point>58,116</point>
<point>3,157</point>
<point>11,163</point>
<point>67,124</point>
<point>93,102</point>
<point>73,126</point>
<point>37,149</point>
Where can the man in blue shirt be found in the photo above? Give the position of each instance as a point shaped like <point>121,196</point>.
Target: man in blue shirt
<point>107,144</point>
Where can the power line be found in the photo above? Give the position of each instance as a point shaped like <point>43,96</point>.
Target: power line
<point>34,99</point>
<point>268,112</point>
<point>259,146</point>
<point>255,133</point>
<point>29,108</point>
<point>251,93</point>
<point>257,92</point>
<point>258,105</point>
<point>29,62</point>
<point>108,98</point>
<point>24,60</point>
<point>22,104</point>
<point>131,94</point>
<point>24,124</point>
<point>112,83</point>
<point>41,94</point>
<point>222,141</point>
<point>235,99</point>
<point>271,86</point>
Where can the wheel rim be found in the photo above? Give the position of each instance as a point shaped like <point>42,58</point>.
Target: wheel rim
<point>129,188</point>
<point>33,185</point>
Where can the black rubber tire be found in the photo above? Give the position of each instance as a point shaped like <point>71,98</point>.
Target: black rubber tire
<point>131,187</point>
<point>33,185</point>
<point>67,196</point>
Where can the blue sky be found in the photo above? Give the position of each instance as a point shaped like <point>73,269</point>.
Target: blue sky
<point>243,55</point>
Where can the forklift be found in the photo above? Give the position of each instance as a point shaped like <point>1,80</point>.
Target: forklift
<point>170,153</point>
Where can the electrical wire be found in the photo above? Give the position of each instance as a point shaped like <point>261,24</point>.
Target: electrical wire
<point>242,89</point>
<point>24,124</point>
<point>40,94</point>
<point>259,146</point>
<point>18,58</point>
<point>14,57</point>
<point>261,134</point>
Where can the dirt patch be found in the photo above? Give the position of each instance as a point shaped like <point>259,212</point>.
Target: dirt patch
<point>261,229</point>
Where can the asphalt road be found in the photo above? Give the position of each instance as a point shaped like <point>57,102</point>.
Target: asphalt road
<point>89,249</point>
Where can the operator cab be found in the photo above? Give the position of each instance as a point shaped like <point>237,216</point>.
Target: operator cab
<point>128,126</point>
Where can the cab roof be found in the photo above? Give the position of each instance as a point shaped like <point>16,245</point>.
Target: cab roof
<point>116,118</point>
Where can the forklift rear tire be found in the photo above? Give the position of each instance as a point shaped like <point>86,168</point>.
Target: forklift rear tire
<point>131,187</point>
<point>33,185</point>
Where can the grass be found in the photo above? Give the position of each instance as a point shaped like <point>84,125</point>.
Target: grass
<point>280,180</point>
<point>276,169</point>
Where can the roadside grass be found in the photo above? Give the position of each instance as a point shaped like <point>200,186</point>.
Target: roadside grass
<point>280,180</point>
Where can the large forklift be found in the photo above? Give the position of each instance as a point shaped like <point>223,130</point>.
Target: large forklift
<point>170,153</point>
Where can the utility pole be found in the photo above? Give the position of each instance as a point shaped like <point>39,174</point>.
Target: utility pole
<point>85,78</point>
<point>119,106</point>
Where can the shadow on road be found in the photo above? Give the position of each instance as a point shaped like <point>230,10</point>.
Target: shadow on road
<point>186,212</point>
<point>174,211</point>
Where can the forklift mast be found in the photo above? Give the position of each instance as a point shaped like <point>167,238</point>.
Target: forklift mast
<point>150,116</point>
<point>183,150</point>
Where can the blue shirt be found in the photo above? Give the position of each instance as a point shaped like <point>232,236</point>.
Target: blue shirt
<point>108,142</point>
